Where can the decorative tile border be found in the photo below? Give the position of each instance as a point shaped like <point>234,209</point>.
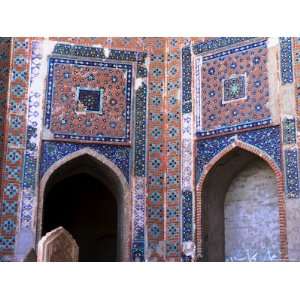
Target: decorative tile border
<point>267,140</point>
<point>289,130</point>
<point>217,43</point>
<point>140,154</point>
<point>138,234</point>
<point>187,194</point>
<point>235,50</point>
<point>186,80</point>
<point>5,47</point>
<point>157,152</point>
<point>99,53</point>
<point>286,60</point>
<point>140,130</point>
<point>53,151</point>
<point>33,136</point>
<point>296,66</point>
<point>173,132</point>
<point>292,173</point>
<point>229,129</point>
<point>15,143</point>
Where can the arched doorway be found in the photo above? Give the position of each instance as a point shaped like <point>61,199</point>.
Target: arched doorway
<point>87,194</point>
<point>239,209</point>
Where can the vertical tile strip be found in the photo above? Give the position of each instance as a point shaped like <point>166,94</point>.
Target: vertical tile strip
<point>292,173</point>
<point>156,152</point>
<point>286,60</point>
<point>15,145</point>
<point>138,238</point>
<point>33,136</point>
<point>187,156</point>
<point>5,51</point>
<point>173,143</point>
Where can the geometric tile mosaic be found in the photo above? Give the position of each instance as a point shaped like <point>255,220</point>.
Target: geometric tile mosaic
<point>172,136</point>
<point>14,139</point>
<point>234,90</point>
<point>86,80</point>
<point>296,66</point>
<point>292,173</point>
<point>289,130</point>
<point>33,137</point>
<point>286,60</point>
<point>156,150</point>
<point>97,96</point>
<point>217,43</point>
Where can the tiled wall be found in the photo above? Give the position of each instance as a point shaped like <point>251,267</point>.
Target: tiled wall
<point>159,108</point>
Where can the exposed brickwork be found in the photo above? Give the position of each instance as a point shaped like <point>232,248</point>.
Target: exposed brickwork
<point>280,193</point>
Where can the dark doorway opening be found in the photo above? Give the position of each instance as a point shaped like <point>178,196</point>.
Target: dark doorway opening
<point>86,208</point>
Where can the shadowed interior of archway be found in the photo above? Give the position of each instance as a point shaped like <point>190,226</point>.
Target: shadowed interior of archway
<point>84,205</point>
<point>239,201</point>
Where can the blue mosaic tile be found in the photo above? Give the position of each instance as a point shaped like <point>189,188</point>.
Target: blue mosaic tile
<point>19,75</point>
<point>234,88</point>
<point>172,229</point>
<point>13,173</point>
<point>173,56</point>
<point>173,85</point>
<point>186,80</point>
<point>154,230</point>
<point>157,57</point>
<point>10,190</point>
<point>172,212</point>
<point>20,60</point>
<point>217,43</point>
<point>53,151</point>
<point>243,48</point>
<point>140,130</point>
<point>9,208</point>
<point>172,196</point>
<point>92,100</point>
<point>289,131</point>
<point>8,226</point>
<point>137,251</point>
<point>97,52</point>
<point>18,90</point>
<point>155,213</point>
<point>141,72</point>
<point>229,129</point>
<point>7,243</point>
<point>155,197</point>
<point>266,139</point>
<point>286,60</point>
<point>157,87</point>
<point>15,122</point>
<point>292,173</point>
<point>21,44</point>
<point>172,248</point>
<point>13,156</point>
<point>187,216</point>
<point>15,140</point>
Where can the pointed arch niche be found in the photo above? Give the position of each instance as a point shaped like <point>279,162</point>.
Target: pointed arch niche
<point>87,167</point>
<point>234,222</point>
